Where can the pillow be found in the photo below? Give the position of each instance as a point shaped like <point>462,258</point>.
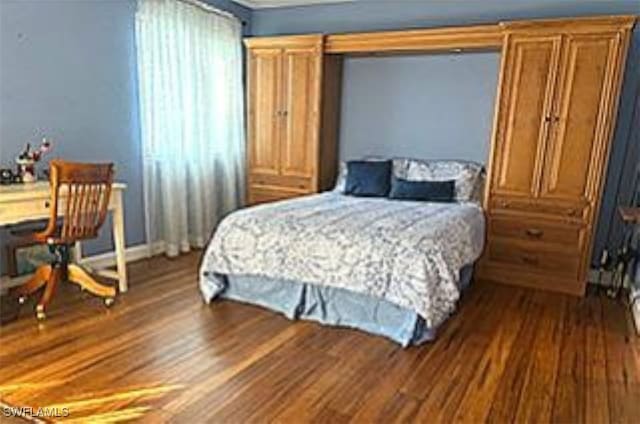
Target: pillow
<point>428,191</point>
<point>368,178</point>
<point>468,176</point>
<point>398,169</point>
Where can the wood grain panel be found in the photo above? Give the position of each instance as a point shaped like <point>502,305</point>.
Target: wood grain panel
<point>574,156</point>
<point>299,143</point>
<point>529,81</point>
<point>537,231</point>
<point>264,110</point>
<point>534,257</point>
<point>478,37</point>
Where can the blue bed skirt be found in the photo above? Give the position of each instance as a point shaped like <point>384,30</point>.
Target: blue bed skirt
<point>335,306</point>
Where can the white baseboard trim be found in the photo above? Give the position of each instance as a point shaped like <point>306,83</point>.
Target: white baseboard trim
<point>594,277</point>
<point>103,260</point>
<point>132,253</point>
<point>635,312</point>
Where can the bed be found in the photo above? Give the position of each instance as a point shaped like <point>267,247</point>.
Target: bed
<point>387,267</point>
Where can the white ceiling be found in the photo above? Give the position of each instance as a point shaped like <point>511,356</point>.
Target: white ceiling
<point>262,4</point>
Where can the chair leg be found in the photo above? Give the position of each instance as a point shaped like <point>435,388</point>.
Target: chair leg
<point>49,290</point>
<point>39,279</point>
<point>80,277</point>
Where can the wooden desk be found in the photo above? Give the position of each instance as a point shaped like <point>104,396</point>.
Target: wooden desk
<point>24,202</point>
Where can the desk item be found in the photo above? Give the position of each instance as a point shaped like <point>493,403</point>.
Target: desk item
<point>84,210</point>
<point>6,176</point>
<point>27,160</point>
<point>28,202</point>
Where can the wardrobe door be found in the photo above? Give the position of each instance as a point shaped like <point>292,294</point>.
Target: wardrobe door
<point>578,147</point>
<point>264,110</point>
<point>301,91</point>
<point>529,70</point>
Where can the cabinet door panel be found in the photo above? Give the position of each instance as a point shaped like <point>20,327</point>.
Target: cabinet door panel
<point>575,153</point>
<point>529,79</point>
<point>264,100</point>
<point>299,146</point>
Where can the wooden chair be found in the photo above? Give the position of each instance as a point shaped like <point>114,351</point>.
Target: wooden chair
<point>81,191</point>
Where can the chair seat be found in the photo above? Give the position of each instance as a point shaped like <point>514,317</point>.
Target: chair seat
<point>29,233</point>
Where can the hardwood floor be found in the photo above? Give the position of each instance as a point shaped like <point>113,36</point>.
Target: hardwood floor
<point>160,355</point>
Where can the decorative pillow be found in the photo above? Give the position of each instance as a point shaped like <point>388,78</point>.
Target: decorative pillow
<point>428,191</point>
<point>368,178</point>
<point>468,176</point>
<point>398,169</point>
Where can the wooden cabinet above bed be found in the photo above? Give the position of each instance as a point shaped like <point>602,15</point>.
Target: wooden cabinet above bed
<point>288,155</point>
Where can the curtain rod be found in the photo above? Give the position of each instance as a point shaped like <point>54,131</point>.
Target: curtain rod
<point>207,7</point>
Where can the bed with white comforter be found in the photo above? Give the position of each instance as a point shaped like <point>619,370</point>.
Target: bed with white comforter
<point>403,253</point>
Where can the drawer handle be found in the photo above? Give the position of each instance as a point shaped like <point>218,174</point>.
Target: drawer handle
<point>504,203</point>
<point>47,204</point>
<point>534,232</point>
<point>572,212</point>
<point>531,260</point>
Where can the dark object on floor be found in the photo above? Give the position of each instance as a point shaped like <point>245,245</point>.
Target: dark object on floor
<point>9,309</point>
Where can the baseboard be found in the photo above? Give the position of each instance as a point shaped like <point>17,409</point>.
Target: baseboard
<point>103,260</point>
<point>635,312</point>
<point>600,278</point>
<point>132,253</point>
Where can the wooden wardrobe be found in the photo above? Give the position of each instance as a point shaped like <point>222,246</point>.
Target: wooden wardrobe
<point>290,152</point>
<point>554,118</point>
<point>558,96</point>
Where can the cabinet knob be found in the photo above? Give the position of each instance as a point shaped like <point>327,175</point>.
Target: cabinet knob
<point>547,119</point>
<point>534,232</point>
<point>572,212</point>
<point>47,204</point>
<point>531,260</point>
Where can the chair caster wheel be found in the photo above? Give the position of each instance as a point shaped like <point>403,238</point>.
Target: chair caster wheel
<point>22,300</point>
<point>40,313</point>
<point>108,301</point>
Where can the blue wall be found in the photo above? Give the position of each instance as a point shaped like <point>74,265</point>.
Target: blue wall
<point>68,71</point>
<point>427,106</point>
<point>380,15</point>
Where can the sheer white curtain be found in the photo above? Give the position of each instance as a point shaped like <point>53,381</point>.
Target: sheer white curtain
<point>191,108</point>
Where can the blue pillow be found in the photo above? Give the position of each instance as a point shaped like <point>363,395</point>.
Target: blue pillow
<point>368,178</point>
<point>428,191</point>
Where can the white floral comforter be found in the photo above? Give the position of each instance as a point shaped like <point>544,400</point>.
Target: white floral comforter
<point>408,253</point>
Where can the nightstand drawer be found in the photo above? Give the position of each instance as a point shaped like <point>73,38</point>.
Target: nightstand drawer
<point>534,258</point>
<point>539,231</point>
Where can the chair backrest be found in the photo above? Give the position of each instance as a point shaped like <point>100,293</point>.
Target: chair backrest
<point>83,191</point>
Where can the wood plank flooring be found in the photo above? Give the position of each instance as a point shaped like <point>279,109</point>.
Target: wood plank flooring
<point>161,355</point>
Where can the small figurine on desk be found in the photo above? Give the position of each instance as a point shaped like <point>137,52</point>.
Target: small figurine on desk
<point>27,160</point>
